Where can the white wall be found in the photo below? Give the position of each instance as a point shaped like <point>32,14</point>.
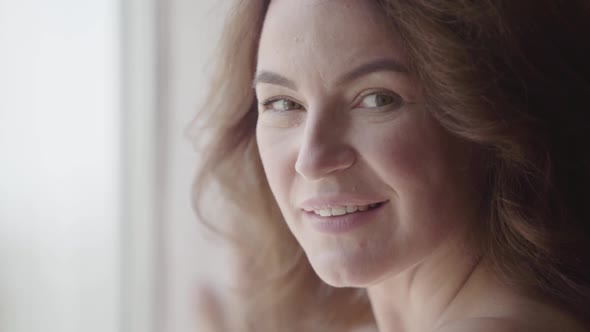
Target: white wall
<point>59,166</point>
<point>192,257</point>
<point>96,228</point>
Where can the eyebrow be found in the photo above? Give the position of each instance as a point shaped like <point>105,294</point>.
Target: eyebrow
<point>378,65</point>
<point>269,77</point>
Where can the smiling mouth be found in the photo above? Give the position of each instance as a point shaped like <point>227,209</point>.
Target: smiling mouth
<point>347,209</point>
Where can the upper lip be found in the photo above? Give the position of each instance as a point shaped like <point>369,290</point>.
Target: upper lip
<point>322,202</point>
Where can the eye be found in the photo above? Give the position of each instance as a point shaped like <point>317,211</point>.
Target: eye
<point>281,105</point>
<point>381,99</point>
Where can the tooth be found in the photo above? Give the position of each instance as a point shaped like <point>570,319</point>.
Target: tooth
<point>338,211</point>
<point>363,207</point>
<point>351,208</point>
<point>325,212</point>
<point>374,205</point>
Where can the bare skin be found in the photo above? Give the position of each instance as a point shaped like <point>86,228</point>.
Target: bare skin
<point>320,133</point>
<point>479,303</point>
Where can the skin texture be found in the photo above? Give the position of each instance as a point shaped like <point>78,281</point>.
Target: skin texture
<point>321,135</point>
<point>334,144</point>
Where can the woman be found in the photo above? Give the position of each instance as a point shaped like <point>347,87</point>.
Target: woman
<point>419,165</point>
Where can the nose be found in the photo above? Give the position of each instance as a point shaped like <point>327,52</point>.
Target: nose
<point>324,149</point>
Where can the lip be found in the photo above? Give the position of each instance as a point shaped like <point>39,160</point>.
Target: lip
<point>317,203</point>
<point>344,223</point>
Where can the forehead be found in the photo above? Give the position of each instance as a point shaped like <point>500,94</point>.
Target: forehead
<point>325,36</point>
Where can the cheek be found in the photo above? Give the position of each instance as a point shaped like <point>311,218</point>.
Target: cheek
<point>407,156</point>
<point>278,162</point>
<point>414,160</point>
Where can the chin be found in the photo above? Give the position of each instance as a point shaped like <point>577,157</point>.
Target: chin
<point>339,270</point>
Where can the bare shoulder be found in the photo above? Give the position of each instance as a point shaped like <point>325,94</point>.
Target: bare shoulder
<point>486,324</point>
<point>492,324</point>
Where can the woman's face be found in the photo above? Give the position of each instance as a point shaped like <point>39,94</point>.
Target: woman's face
<point>368,182</point>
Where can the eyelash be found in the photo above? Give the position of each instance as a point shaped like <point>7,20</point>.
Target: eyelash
<point>390,93</point>
<point>267,102</point>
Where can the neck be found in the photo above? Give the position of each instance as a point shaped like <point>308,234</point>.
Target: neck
<point>419,298</point>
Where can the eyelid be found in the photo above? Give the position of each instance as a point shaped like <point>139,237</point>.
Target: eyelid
<point>365,93</point>
<point>357,100</point>
<point>266,102</point>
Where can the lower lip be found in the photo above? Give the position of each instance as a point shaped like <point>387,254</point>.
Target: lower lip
<point>343,223</point>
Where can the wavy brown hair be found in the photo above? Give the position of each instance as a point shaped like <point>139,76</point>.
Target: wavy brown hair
<point>512,77</point>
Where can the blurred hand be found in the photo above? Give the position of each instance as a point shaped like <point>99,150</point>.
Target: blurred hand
<point>212,314</point>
